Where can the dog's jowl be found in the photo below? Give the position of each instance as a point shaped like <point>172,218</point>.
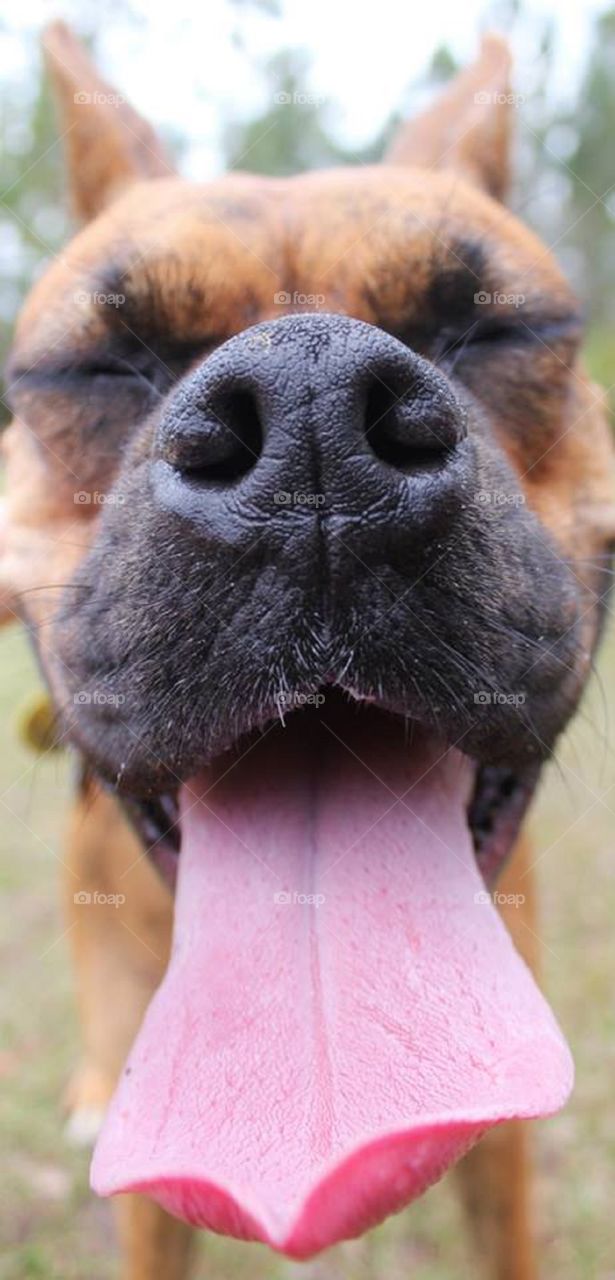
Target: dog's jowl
<point>308,499</point>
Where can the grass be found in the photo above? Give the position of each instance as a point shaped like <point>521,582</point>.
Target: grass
<point>53,1229</point>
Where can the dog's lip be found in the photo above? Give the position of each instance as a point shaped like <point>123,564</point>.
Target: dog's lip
<point>497,809</point>
<point>499,801</point>
<point>156,822</point>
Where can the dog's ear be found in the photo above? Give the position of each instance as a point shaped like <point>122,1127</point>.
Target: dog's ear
<point>468,128</point>
<point>107,143</point>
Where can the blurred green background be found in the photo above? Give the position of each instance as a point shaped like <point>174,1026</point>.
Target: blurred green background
<point>49,1225</point>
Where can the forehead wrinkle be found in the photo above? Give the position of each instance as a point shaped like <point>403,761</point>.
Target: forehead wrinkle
<point>185,295</point>
<point>144,292</point>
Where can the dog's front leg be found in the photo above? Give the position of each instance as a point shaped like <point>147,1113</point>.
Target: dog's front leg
<point>495,1179</point>
<point>154,1245</point>
<point>119,917</point>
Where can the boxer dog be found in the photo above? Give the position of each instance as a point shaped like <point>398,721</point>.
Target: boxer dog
<point>309,513</point>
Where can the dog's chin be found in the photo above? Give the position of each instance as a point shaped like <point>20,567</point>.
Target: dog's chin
<point>495,804</point>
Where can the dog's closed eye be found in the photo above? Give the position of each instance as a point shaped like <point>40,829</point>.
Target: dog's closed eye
<point>489,336</point>
<point>137,371</point>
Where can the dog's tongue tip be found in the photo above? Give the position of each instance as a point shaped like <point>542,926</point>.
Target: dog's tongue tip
<point>344,1013</point>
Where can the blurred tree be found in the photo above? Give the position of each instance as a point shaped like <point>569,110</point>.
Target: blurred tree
<point>591,165</point>
<point>293,133</point>
<point>32,222</point>
<point>442,67</point>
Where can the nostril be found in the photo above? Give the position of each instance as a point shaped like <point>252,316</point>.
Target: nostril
<point>402,431</point>
<point>241,428</point>
<point>222,442</point>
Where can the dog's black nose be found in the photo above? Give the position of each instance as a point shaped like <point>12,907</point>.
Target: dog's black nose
<point>316,414</point>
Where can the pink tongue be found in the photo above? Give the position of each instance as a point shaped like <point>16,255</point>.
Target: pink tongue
<point>344,1013</point>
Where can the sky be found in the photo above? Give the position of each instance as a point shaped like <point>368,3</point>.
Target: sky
<point>180,66</point>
